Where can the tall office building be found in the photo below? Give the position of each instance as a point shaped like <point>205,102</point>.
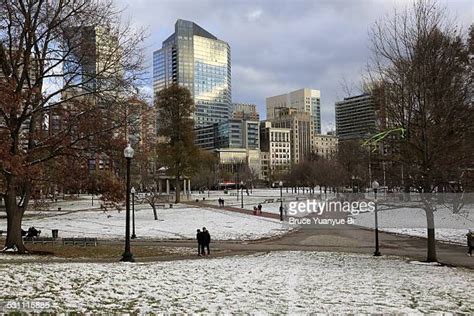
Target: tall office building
<point>196,59</point>
<point>233,133</point>
<point>305,100</point>
<point>355,117</point>
<point>94,63</point>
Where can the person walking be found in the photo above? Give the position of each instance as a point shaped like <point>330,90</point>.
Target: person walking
<point>199,238</point>
<point>259,209</point>
<point>206,241</point>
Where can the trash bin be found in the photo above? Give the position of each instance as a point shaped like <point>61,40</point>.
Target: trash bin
<point>59,209</point>
<point>55,233</point>
<point>171,205</point>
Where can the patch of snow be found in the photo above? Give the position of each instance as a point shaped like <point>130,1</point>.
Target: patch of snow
<point>180,222</point>
<point>449,227</point>
<point>279,283</point>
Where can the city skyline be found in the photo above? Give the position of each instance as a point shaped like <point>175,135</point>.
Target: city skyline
<point>281,46</point>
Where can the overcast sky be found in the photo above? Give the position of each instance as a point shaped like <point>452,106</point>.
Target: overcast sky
<point>282,45</point>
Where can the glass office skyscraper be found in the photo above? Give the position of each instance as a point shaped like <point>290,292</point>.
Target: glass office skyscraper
<point>196,59</point>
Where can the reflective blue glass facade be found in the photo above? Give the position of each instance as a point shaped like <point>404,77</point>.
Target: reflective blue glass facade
<point>196,59</point>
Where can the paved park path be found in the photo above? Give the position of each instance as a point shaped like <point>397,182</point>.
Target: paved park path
<point>202,204</point>
<point>349,238</point>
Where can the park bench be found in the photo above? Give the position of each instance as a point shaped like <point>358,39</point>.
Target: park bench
<point>269,201</point>
<point>39,240</point>
<point>1,232</point>
<point>80,241</point>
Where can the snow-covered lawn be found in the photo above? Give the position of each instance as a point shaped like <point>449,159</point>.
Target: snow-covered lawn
<point>408,221</point>
<point>280,282</point>
<point>179,222</point>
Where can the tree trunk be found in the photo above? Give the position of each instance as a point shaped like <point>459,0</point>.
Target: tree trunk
<point>178,190</point>
<point>431,250</point>
<point>154,212</point>
<point>14,217</point>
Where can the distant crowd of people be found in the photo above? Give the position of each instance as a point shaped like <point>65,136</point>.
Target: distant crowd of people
<point>204,239</point>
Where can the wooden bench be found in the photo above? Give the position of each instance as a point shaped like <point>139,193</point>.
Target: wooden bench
<point>160,205</point>
<point>80,241</point>
<point>40,240</point>
<point>269,201</point>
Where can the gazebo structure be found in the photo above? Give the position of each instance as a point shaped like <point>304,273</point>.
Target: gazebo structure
<point>165,181</point>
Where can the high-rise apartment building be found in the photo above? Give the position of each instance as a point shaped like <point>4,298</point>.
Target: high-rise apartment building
<point>355,117</point>
<point>196,59</point>
<point>301,126</point>
<point>304,100</point>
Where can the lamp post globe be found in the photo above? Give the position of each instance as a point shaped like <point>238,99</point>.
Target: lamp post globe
<point>127,256</point>
<point>128,152</point>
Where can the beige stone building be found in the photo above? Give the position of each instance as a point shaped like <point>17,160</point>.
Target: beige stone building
<point>325,145</point>
<point>301,126</point>
<point>275,149</point>
<point>304,100</point>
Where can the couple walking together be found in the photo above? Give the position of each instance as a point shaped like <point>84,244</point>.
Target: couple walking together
<point>204,239</point>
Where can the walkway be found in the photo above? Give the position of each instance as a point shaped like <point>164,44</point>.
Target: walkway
<point>202,204</point>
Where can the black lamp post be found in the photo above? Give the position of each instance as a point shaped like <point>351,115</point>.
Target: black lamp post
<point>133,213</point>
<point>127,256</point>
<point>281,200</point>
<point>375,186</point>
<point>241,194</point>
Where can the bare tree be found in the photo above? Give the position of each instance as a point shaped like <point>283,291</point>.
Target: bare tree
<point>420,69</point>
<point>63,66</point>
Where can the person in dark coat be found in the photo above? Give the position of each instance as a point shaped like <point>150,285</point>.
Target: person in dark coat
<point>259,208</point>
<point>206,241</point>
<point>199,238</point>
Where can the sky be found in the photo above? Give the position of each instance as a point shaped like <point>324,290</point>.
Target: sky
<point>278,46</point>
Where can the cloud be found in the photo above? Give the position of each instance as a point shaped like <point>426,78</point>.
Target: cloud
<point>282,45</point>
<point>254,15</point>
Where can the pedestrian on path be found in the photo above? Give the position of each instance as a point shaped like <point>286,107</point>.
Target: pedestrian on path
<point>206,240</point>
<point>199,238</point>
<point>259,208</point>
